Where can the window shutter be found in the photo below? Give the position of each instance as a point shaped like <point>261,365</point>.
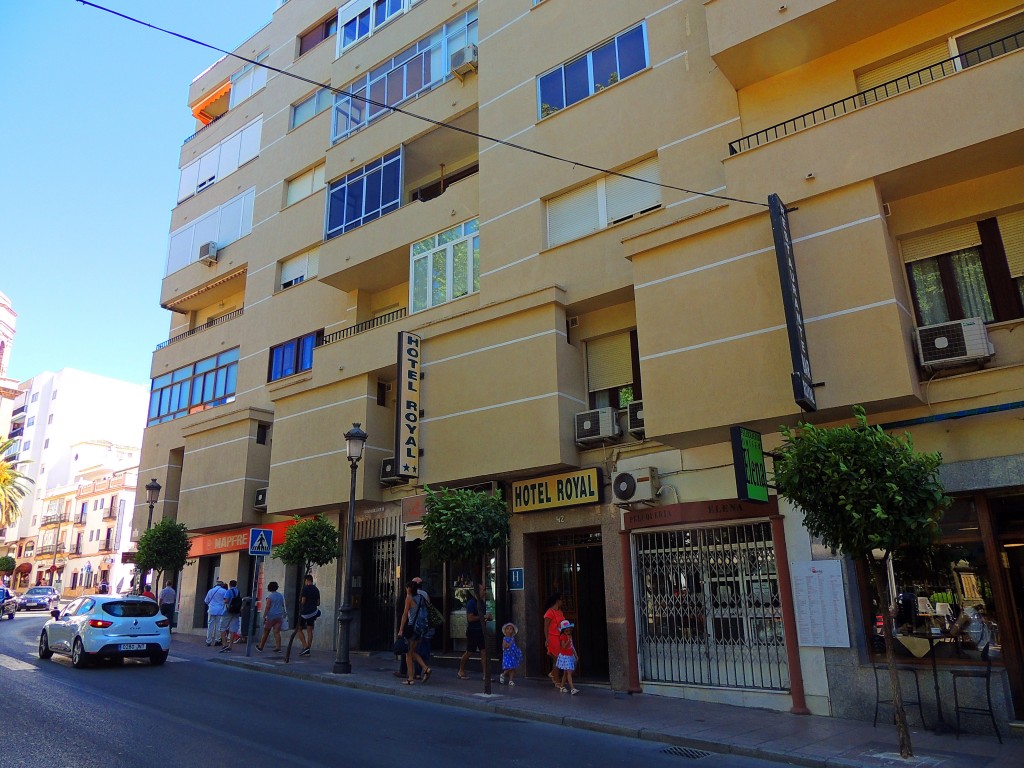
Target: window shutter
<point>1011,229</point>
<point>990,34</point>
<point>312,262</point>
<point>293,268</point>
<point>926,57</point>
<point>626,197</point>
<point>189,179</point>
<point>300,187</point>
<point>609,362</point>
<point>229,155</point>
<point>250,141</point>
<point>319,177</point>
<point>938,243</point>
<point>573,215</point>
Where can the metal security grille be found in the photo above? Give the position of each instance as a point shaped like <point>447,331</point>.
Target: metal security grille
<point>708,609</point>
<point>379,597</point>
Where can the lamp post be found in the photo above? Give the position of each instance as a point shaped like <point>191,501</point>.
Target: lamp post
<point>355,439</point>
<point>152,494</point>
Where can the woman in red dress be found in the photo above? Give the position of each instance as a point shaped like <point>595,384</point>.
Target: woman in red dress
<point>553,617</point>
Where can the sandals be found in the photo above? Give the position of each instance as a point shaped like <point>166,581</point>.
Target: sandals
<point>574,691</point>
<point>426,674</point>
<point>463,676</point>
<point>408,682</point>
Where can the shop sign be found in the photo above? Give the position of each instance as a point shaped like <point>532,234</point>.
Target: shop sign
<point>698,512</point>
<point>748,460</point>
<point>128,557</point>
<point>565,490</point>
<point>234,540</point>
<point>407,412</point>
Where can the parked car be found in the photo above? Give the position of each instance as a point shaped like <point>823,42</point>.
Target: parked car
<point>107,627</point>
<point>8,603</point>
<point>44,598</point>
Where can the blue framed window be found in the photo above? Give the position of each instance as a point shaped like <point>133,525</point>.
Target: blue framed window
<point>294,356</point>
<point>193,388</point>
<point>365,194</point>
<point>603,66</point>
<point>361,18</point>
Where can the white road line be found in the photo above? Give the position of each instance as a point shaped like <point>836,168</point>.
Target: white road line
<point>8,662</point>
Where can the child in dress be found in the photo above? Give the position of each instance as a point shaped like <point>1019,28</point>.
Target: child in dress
<point>566,657</point>
<point>510,654</point>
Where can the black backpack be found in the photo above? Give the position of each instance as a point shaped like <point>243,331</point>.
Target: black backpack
<point>235,604</point>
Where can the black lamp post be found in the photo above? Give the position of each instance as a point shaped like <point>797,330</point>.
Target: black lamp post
<point>355,439</point>
<point>152,494</point>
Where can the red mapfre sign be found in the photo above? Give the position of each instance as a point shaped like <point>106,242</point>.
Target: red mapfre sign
<point>234,540</point>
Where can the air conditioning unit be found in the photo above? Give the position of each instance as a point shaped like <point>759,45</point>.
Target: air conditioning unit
<point>208,253</point>
<point>389,473</point>
<point>464,61</point>
<point>260,501</point>
<point>597,426</point>
<point>637,486</point>
<point>636,419</point>
<point>958,342</point>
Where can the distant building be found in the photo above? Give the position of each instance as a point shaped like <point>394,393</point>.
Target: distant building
<point>8,387</point>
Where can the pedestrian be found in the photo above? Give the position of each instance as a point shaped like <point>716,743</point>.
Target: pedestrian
<point>476,615</point>
<point>232,617</point>
<point>216,604</point>
<point>553,617</point>
<point>423,648</point>
<point>566,657</point>
<point>511,655</point>
<point>168,598</point>
<point>274,611</point>
<point>413,626</point>
<point>147,592</point>
<point>309,612</point>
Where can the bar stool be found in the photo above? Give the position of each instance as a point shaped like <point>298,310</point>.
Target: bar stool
<point>971,674</point>
<point>878,691</point>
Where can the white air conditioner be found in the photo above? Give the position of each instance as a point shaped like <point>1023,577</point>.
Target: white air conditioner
<point>260,501</point>
<point>464,61</point>
<point>637,486</point>
<point>208,253</point>
<point>958,342</point>
<point>636,419</point>
<point>389,473</point>
<point>597,426</point>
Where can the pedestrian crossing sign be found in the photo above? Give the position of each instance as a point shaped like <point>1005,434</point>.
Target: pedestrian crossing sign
<point>261,540</point>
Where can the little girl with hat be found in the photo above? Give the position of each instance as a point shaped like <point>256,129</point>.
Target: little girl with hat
<point>511,655</point>
<point>566,657</point>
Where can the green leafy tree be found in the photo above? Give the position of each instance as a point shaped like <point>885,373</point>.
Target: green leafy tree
<point>7,564</point>
<point>466,525</point>
<point>313,541</point>
<point>163,549</point>
<point>867,494</point>
<point>13,485</point>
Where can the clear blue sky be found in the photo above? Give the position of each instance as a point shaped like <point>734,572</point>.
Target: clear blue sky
<point>95,114</point>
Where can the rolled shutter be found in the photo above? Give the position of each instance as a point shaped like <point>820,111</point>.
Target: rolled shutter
<point>626,197</point>
<point>573,215</point>
<point>609,362</point>
<point>1007,28</point>
<point>938,243</point>
<point>293,268</point>
<point>1011,229</point>
<point>885,73</point>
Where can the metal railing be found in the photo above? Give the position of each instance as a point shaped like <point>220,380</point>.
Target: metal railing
<point>201,328</point>
<point>218,117</point>
<point>50,549</point>
<point>353,330</point>
<point>880,92</point>
<point>106,546</point>
<point>110,513</point>
<point>60,517</point>
<point>79,519</point>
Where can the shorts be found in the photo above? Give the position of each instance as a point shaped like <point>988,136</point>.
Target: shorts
<point>234,623</point>
<point>474,640</point>
<point>410,632</point>
<point>270,623</point>
<point>304,623</point>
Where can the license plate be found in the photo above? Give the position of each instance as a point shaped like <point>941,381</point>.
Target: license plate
<point>132,646</point>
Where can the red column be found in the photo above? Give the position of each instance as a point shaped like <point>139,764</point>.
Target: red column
<point>633,668</point>
<point>796,677</point>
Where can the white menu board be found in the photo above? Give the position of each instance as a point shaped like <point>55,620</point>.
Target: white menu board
<point>820,602</point>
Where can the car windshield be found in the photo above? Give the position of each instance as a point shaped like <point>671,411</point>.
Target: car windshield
<point>38,591</point>
<point>131,608</point>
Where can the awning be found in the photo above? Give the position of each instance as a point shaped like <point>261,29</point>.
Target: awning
<point>23,568</point>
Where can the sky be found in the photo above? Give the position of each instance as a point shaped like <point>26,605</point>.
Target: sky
<point>96,113</point>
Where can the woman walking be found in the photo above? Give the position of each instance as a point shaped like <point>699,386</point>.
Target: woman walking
<point>553,618</point>
<point>413,626</point>
<point>273,617</point>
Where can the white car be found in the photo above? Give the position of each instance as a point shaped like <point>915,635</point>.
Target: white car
<point>107,627</point>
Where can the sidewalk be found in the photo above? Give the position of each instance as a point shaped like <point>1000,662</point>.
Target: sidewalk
<point>801,740</point>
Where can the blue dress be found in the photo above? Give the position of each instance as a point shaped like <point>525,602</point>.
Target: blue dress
<point>511,656</point>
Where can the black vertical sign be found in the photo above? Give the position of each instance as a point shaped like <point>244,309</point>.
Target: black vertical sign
<point>407,408</point>
<point>803,384</point>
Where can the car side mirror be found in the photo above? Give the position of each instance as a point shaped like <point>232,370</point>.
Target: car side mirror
<point>55,613</point>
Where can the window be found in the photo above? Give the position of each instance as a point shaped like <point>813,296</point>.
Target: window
<point>49,419</point>
<point>610,62</point>
<point>35,397</point>
<point>293,356</point>
<point>990,41</point>
<point>247,81</point>
<point>361,18</point>
<point>54,395</point>
<point>613,370</point>
<point>609,200</point>
<point>311,106</point>
<point>206,384</point>
<point>416,69</point>
<point>299,268</point>
<point>445,266</point>
<point>28,444</point>
<point>262,434</point>
<point>305,184</point>
<point>318,34</point>
<point>225,158</point>
<point>365,194</point>
<point>223,225</point>
<point>85,508</point>
<point>31,421</point>
<point>46,443</point>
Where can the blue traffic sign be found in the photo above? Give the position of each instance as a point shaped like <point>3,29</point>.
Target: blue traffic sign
<point>261,540</point>
<point>516,579</point>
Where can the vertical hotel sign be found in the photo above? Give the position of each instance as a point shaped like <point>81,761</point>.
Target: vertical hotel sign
<point>803,384</point>
<point>407,410</point>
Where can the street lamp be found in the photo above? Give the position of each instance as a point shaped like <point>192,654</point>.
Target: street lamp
<point>355,439</point>
<point>152,494</point>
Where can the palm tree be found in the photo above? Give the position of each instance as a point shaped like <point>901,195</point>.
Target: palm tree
<point>13,486</point>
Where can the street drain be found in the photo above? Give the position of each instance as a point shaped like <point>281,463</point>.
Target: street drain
<point>687,752</point>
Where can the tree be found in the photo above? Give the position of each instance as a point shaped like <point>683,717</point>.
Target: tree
<point>163,549</point>
<point>313,541</point>
<point>466,525</point>
<point>13,485</point>
<point>867,494</point>
<point>7,564</point>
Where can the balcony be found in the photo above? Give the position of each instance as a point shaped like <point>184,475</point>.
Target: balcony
<point>200,328</point>
<point>106,546</point>
<point>76,549</point>
<point>58,519</point>
<point>110,513</point>
<point>353,330</point>
<point>79,519</point>
<point>106,484</point>
<point>19,413</point>
<point>50,549</point>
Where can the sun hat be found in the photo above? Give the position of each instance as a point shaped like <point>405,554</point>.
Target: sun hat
<point>515,629</point>
<point>565,625</point>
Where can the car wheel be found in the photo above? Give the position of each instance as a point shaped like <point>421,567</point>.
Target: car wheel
<point>11,615</point>
<point>44,647</point>
<point>158,658</point>
<point>78,658</point>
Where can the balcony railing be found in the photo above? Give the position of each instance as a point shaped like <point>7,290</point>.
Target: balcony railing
<point>61,517</point>
<point>200,328</point>
<point>19,411</point>
<point>79,519</point>
<point>16,433</point>
<point>110,513</point>
<point>106,546</point>
<point>76,549</point>
<point>50,549</point>
<point>353,330</point>
<point>218,117</point>
<point>98,486</point>
<point>878,93</point>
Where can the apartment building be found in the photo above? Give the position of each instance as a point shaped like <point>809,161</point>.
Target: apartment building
<point>8,386</point>
<point>527,246</point>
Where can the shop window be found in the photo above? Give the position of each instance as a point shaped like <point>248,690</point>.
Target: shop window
<point>613,370</point>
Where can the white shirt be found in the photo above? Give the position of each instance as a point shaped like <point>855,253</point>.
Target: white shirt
<point>216,600</point>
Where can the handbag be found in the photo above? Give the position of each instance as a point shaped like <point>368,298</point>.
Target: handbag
<point>284,623</point>
<point>401,647</point>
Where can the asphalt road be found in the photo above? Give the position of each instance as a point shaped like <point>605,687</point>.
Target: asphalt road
<point>193,712</point>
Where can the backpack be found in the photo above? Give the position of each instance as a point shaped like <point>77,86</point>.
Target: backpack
<point>421,620</point>
<point>235,604</point>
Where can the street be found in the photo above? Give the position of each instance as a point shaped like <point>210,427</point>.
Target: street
<point>191,711</point>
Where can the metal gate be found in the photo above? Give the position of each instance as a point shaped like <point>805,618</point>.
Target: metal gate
<point>378,599</point>
<point>708,608</point>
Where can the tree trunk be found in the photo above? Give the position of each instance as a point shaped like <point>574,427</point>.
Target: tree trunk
<point>484,661</point>
<point>878,576</point>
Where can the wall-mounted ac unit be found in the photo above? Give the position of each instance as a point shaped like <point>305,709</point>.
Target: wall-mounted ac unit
<point>260,501</point>
<point>597,426</point>
<point>958,342</point>
<point>464,61</point>
<point>636,419</point>
<point>637,486</point>
<point>208,253</point>
<point>389,473</point>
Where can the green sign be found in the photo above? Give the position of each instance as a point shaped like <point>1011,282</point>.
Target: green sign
<point>748,459</point>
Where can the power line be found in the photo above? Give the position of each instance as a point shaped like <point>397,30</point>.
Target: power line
<point>400,111</point>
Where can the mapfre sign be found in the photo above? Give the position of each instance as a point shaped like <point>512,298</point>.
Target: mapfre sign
<point>407,409</point>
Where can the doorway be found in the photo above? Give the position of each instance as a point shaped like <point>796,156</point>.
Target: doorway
<point>377,595</point>
<point>1008,514</point>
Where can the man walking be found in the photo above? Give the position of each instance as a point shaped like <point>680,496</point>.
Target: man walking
<point>216,604</point>
<point>309,601</point>
<point>168,598</point>
<point>232,617</point>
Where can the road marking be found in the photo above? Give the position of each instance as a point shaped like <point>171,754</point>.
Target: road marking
<point>176,659</point>
<point>8,662</point>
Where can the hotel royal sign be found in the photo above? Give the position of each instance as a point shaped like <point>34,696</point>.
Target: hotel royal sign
<point>553,491</point>
<point>407,412</point>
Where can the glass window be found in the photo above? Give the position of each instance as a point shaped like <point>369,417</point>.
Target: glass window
<point>223,225</point>
<point>247,81</point>
<point>445,266</point>
<point>311,106</point>
<point>318,34</point>
<point>211,382</point>
<point>364,194</point>
<point>950,287</point>
<point>361,18</point>
<point>293,356</point>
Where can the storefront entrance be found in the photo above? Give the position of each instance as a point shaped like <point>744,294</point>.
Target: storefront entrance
<point>572,563</point>
<point>377,595</point>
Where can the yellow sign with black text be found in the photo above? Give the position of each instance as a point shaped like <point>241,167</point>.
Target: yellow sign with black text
<point>553,491</point>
